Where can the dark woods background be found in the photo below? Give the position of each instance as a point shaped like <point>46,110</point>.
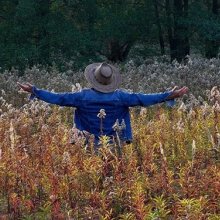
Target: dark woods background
<point>57,31</point>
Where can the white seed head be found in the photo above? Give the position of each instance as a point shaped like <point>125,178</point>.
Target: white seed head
<point>101,113</point>
<point>66,158</point>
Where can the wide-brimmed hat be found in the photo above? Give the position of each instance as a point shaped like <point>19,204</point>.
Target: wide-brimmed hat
<point>103,77</point>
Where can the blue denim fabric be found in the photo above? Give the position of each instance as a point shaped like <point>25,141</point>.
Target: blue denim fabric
<point>88,103</point>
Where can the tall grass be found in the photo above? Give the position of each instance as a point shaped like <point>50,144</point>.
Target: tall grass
<point>170,170</point>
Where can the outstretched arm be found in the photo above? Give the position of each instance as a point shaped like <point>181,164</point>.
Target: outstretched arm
<point>27,87</point>
<point>177,93</point>
<point>140,99</point>
<point>62,99</point>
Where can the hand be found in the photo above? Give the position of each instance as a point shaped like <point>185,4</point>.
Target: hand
<point>177,93</point>
<point>27,87</point>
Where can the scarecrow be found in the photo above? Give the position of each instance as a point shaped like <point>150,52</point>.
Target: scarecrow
<point>103,94</point>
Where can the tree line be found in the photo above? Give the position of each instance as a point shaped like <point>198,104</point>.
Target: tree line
<point>48,31</point>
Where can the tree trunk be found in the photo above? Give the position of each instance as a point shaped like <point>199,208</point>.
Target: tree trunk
<point>117,52</point>
<point>212,46</point>
<point>160,33</point>
<point>43,35</point>
<point>177,31</point>
<point>170,29</point>
<point>180,37</point>
<point>186,28</point>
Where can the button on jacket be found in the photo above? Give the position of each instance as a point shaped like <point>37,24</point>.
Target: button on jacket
<point>88,103</point>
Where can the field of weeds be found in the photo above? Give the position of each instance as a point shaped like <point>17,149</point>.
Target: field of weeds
<point>171,170</point>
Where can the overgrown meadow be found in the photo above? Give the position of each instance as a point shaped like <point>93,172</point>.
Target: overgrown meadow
<point>171,170</point>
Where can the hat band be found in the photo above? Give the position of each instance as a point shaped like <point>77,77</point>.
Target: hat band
<point>102,79</point>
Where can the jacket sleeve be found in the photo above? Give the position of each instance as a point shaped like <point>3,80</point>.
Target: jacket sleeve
<point>141,99</point>
<point>62,99</point>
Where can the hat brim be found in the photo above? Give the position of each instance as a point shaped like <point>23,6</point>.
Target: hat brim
<point>90,77</point>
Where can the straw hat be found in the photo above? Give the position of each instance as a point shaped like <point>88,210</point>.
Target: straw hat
<point>103,77</point>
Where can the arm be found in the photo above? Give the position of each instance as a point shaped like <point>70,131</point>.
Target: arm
<point>140,99</point>
<point>62,99</point>
<point>177,93</point>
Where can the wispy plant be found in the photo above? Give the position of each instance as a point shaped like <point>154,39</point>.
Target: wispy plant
<point>167,172</point>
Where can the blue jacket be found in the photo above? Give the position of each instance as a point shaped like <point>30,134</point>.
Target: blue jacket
<point>88,103</point>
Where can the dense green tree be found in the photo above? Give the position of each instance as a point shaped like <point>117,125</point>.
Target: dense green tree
<point>159,27</point>
<point>24,34</point>
<point>71,27</point>
<point>177,28</point>
<point>120,24</point>
<point>48,31</point>
<point>213,41</point>
<point>205,27</point>
<point>7,11</point>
